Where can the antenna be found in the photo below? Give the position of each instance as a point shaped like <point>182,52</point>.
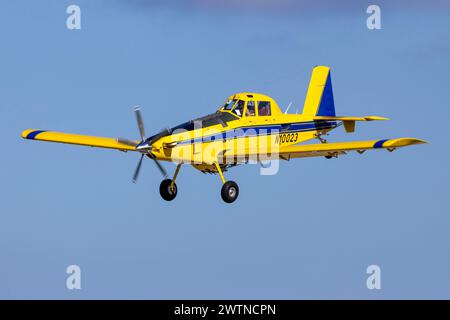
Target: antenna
<point>288,107</point>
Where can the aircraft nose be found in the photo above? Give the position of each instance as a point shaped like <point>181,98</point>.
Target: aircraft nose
<point>143,145</point>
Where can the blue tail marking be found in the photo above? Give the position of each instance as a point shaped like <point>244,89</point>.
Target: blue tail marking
<point>326,107</point>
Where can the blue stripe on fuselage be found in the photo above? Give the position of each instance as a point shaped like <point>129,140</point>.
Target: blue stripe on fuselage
<point>264,130</point>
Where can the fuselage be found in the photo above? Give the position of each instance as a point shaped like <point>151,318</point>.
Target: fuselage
<point>246,120</point>
<point>247,128</point>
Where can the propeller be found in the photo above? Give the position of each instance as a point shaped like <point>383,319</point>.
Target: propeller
<point>145,145</point>
<point>160,167</point>
<point>140,122</point>
<point>127,142</point>
<point>138,169</point>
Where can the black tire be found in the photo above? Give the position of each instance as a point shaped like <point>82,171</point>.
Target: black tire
<point>230,191</point>
<point>328,157</point>
<point>166,192</point>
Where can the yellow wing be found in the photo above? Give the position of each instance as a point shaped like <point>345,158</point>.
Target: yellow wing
<point>61,137</point>
<point>323,149</point>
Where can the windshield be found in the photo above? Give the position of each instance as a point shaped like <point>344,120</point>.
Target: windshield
<point>229,104</point>
<point>207,121</point>
<point>239,108</point>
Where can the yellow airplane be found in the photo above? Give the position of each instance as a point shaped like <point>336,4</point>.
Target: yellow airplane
<point>248,127</point>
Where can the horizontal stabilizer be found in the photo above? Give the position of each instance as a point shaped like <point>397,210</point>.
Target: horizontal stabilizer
<point>343,118</point>
<point>349,122</point>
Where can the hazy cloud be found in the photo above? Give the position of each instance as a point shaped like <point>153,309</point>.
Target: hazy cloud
<point>287,6</point>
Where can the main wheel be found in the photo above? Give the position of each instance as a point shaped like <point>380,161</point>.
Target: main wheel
<point>230,191</point>
<point>167,193</point>
<point>328,157</point>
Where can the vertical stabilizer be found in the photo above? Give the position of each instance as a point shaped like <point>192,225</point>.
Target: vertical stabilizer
<point>319,98</point>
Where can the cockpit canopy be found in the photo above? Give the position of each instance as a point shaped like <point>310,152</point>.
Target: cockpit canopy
<point>251,105</point>
<point>237,106</point>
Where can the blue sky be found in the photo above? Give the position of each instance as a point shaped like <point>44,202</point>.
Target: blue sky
<point>308,232</point>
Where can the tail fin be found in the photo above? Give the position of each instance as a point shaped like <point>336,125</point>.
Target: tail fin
<point>319,98</point>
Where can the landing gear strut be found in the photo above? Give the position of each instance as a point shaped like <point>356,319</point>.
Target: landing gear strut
<point>168,187</point>
<point>230,189</point>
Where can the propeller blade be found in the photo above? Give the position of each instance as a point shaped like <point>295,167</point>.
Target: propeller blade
<point>160,167</point>
<point>140,123</point>
<point>138,169</point>
<point>127,142</point>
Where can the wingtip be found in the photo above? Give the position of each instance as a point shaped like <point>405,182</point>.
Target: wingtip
<point>26,132</point>
<point>403,142</point>
<point>373,118</point>
<point>420,141</point>
<point>416,141</point>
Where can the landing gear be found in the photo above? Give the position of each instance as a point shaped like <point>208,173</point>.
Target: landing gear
<point>328,157</point>
<point>229,192</point>
<point>230,189</point>
<point>168,189</point>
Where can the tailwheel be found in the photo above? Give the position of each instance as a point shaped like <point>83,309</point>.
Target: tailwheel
<point>230,191</point>
<point>168,190</point>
